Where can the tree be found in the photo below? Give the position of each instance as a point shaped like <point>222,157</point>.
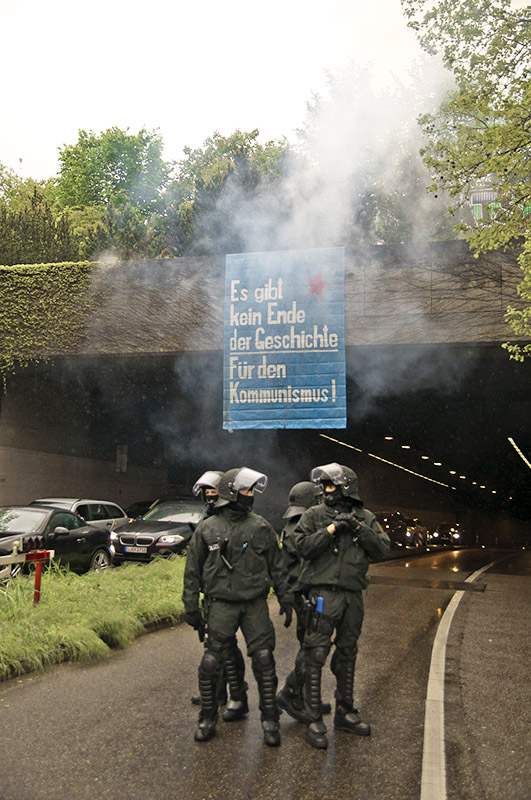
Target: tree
<point>480,137</point>
<point>212,185</point>
<point>34,234</point>
<point>113,167</point>
<point>361,143</point>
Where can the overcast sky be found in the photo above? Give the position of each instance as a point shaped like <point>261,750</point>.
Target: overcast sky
<point>186,68</point>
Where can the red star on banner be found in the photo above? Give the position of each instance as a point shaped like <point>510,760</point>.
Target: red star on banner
<point>316,286</point>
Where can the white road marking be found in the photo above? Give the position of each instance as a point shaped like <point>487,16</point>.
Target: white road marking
<point>433,780</point>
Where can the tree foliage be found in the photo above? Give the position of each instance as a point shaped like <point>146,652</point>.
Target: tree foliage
<point>209,183</point>
<point>480,137</point>
<point>114,167</point>
<point>33,233</point>
<point>361,142</point>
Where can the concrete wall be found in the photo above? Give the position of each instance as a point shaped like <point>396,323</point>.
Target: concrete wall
<point>28,474</point>
<point>437,293</point>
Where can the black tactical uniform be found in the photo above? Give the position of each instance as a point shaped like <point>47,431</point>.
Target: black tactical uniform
<point>302,495</point>
<point>206,487</point>
<point>335,540</point>
<point>234,559</point>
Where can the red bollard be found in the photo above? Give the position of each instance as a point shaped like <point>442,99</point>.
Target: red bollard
<point>37,590</point>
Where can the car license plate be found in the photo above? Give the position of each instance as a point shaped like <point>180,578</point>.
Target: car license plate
<point>135,549</point>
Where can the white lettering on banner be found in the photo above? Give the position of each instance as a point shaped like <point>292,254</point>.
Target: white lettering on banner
<point>322,340</point>
<point>269,292</point>
<point>283,317</point>
<point>284,340</point>
<point>248,317</point>
<point>234,296</point>
<point>266,370</point>
<point>288,394</point>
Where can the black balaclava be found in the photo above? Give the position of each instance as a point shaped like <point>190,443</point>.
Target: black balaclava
<point>331,498</point>
<point>210,501</point>
<point>243,503</point>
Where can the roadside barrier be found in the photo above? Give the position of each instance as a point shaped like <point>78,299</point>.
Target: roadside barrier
<point>21,555</point>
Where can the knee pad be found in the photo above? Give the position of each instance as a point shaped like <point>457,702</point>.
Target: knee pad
<point>263,660</point>
<point>346,653</point>
<point>316,656</point>
<point>209,663</point>
<point>219,644</point>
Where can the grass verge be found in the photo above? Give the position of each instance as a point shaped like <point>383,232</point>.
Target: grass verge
<point>84,617</point>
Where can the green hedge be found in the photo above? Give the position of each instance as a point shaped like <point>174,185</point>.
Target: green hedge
<point>43,311</point>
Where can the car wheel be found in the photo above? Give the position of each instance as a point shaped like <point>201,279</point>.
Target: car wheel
<point>100,560</point>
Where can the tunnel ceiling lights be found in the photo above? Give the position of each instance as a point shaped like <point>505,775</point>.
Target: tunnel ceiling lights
<point>435,463</point>
<point>385,461</point>
<point>524,459</point>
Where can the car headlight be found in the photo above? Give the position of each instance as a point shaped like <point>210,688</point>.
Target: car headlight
<point>174,538</point>
<point>114,536</point>
<point>408,534</point>
<point>435,535</point>
<point>456,536</point>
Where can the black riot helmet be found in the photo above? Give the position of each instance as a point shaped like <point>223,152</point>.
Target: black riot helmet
<point>240,479</point>
<point>341,476</point>
<point>302,495</point>
<point>208,480</point>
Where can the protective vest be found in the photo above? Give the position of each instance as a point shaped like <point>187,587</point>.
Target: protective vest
<point>337,560</point>
<point>234,556</point>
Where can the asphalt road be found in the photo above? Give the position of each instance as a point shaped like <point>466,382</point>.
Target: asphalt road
<point>123,729</point>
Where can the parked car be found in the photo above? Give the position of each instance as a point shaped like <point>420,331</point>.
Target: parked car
<point>76,544</point>
<point>162,531</point>
<point>141,507</point>
<point>446,534</point>
<point>101,513</point>
<point>403,531</point>
<point>138,509</point>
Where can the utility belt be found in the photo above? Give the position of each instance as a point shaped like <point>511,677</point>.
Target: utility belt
<point>235,602</point>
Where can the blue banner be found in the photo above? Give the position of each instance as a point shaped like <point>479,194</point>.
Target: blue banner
<point>284,340</point>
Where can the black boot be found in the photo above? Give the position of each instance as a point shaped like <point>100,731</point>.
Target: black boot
<point>315,727</point>
<point>237,706</point>
<point>208,715</point>
<point>206,729</point>
<point>346,717</point>
<point>290,698</point>
<point>271,731</point>
<point>266,678</point>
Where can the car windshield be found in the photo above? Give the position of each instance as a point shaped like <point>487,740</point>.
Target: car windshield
<point>174,512</point>
<point>20,520</point>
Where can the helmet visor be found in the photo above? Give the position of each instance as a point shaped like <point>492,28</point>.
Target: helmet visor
<point>208,480</point>
<point>328,472</point>
<point>247,479</point>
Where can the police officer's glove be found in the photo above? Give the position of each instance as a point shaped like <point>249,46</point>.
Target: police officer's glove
<point>287,609</point>
<point>346,524</point>
<point>194,619</point>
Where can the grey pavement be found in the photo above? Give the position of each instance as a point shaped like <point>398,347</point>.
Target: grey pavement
<point>487,688</point>
<point>123,728</point>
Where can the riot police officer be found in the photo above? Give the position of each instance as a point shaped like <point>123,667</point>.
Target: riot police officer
<point>335,540</point>
<point>234,559</point>
<point>206,487</point>
<point>302,495</point>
